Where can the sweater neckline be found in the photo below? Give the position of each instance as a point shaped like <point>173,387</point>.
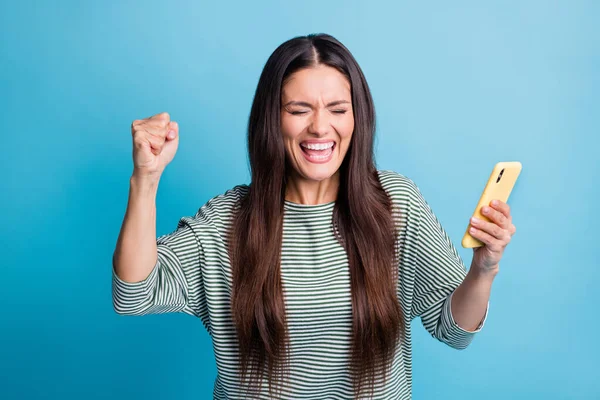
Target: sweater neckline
<point>291,206</point>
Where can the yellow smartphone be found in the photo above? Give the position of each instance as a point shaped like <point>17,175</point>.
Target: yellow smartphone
<point>499,185</point>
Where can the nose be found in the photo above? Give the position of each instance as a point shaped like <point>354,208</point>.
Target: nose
<point>320,124</point>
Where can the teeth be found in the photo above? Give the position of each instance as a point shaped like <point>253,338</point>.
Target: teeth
<point>317,146</point>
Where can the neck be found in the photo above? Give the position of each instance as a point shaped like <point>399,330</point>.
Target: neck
<point>305,191</point>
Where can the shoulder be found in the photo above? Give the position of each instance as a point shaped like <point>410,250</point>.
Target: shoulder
<point>213,219</point>
<point>399,187</point>
<point>223,204</point>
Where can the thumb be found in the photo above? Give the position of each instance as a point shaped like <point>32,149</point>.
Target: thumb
<point>173,130</point>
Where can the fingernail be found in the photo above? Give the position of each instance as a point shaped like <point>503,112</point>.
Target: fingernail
<point>486,210</point>
<point>494,202</point>
<point>171,134</point>
<point>474,220</point>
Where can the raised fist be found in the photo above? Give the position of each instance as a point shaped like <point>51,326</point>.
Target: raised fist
<point>155,142</point>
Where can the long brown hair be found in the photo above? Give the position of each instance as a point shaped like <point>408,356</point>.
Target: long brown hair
<point>362,218</point>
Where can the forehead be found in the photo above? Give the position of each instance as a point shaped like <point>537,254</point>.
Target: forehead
<point>316,82</point>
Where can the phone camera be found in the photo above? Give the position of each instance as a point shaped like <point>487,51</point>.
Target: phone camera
<point>500,175</point>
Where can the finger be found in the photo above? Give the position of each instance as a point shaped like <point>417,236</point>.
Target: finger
<point>157,122</point>
<point>496,216</point>
<point>501,206</point>
<point>156,142</point>
<point>168,131</point>
<point>162,117</point>
<point>142,141</point>
<point>153,128</point>
<point>489,227</point>
<point>491,242</point>
<point>172,129</point>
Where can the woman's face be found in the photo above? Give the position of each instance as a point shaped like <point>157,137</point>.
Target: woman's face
<point>317,121</point>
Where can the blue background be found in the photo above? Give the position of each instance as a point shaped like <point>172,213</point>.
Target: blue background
<point>457,88</point>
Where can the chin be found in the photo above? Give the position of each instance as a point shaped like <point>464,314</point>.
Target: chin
<point>314,171</point>
<point>318,173</point>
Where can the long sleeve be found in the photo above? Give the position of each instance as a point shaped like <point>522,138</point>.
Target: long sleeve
<point>439,271</point>
<point>175,284</point>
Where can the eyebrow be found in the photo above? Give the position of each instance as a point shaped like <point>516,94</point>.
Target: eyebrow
<point>305,104</point>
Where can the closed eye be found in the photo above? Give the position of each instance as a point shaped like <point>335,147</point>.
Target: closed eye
<point>304,112</point>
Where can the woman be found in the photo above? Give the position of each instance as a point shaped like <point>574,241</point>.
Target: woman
<point>306,279</point>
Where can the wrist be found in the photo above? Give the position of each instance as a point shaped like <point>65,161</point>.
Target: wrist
<point>143,184</point>
<point>141,178</point>
<point>483,274</point>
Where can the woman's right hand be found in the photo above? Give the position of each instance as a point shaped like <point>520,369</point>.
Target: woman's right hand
<point>155,142</point>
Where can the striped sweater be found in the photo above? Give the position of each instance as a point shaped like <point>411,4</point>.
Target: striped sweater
<point>193,275</point>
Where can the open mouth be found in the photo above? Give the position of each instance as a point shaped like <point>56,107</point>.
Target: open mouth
<point>318,152</point>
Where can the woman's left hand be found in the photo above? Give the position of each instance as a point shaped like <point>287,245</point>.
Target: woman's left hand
<point>495,235</point>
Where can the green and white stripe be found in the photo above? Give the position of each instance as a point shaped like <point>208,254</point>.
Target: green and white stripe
<point>193,275</point>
